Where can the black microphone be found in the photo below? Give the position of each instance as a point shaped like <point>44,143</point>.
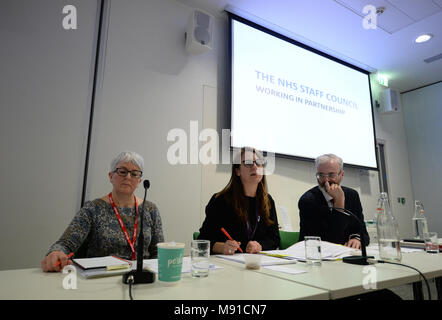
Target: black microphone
<point>140,275</point>
<point>361,260</point>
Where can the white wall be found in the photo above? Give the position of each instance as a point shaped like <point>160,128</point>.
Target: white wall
<point>391,130</point>
<point>422,110</point>
<point>45,78</point>
<point>150,86</point>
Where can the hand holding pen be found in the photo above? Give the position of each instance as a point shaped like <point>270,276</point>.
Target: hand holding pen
<point>59,262</point>
<point>56,261</point>
<point>230,246</point>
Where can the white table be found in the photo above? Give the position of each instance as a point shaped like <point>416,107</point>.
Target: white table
<point>332,280</point>
<point>343,280</point>
<point>228,283</point>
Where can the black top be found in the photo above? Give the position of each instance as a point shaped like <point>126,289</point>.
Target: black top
<point>317,220</point>
<point>220,214</point>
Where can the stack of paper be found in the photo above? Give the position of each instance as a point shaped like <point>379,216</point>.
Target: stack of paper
<point>329,251</point>
<point>102,266</point>
<point>109,263</point>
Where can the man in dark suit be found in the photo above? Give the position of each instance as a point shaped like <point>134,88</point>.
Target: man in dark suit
<point>316,217</point>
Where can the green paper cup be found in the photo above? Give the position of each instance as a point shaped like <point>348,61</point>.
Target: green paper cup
<point>170,261</point>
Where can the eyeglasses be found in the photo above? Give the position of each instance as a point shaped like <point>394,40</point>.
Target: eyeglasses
<point>258,162</point>
<point>122,172</point>
<point>330,175</point>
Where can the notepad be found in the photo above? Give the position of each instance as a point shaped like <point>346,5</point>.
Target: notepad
<point>109,263</point>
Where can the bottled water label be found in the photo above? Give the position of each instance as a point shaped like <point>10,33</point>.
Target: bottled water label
<point>372,231</point>
<point>420,227</point>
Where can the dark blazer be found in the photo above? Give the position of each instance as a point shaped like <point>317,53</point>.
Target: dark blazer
<point>220,214</point>
<point>317,220</point>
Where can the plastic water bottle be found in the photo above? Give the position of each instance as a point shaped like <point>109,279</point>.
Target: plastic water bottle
<point>420,225</point>
<point>371,225</point>
<point>388,231</point>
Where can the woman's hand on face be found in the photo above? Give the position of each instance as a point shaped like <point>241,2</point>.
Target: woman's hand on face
<point>230,247</point>
<point>49,263</point>
<point>253,247</point>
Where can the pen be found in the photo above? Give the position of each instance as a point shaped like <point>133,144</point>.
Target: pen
<point>59,262</point>
<point>277,255</point>
<point>230,238</point>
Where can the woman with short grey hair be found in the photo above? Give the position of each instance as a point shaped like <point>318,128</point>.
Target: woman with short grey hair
<point>109,225</point>
<point>127,156</point>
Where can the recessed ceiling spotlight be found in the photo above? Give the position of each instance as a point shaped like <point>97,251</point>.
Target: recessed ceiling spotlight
<point>423,38</point>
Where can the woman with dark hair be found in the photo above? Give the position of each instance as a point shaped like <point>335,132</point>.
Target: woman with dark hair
<point>244,209</point>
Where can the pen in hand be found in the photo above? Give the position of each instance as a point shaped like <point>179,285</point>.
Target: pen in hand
<point>59,261</point>
<point>230,238</point>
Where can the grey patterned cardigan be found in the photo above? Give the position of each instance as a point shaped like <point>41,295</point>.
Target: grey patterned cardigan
<point>97,225</point>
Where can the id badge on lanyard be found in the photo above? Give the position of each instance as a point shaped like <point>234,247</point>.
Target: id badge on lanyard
<point>123,227</point>
<point>251,233</point>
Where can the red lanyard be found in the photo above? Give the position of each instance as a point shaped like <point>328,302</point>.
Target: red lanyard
<point>131,243</point>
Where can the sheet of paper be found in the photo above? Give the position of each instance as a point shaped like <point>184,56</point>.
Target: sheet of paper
<point>285,219</point>
<point>265,260</point>
<point>284,269</point>
<point>411,250</point>
<point>374,250</point>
